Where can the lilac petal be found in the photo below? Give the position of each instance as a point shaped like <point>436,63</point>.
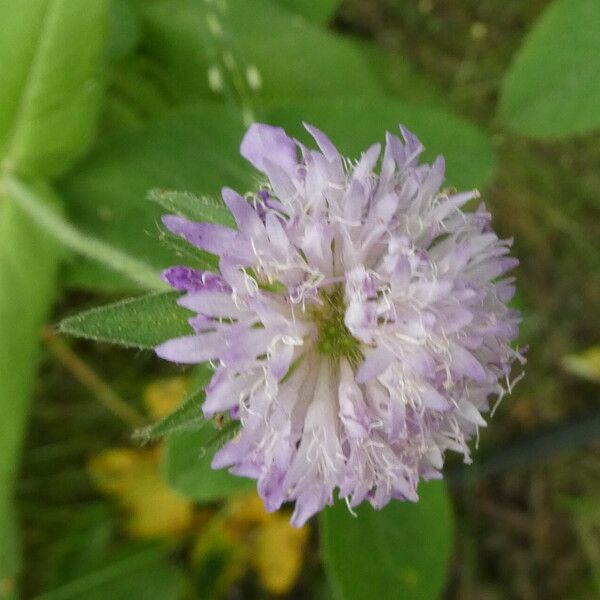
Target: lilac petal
<point>226,390</point>
<point>191,349</point>
<point>281,180</point>
<point>191,280</point>
<point>207,236</point>
<point>452,204</point>
<point>229,454</point>
<point>243,212</point>
<point>325,144</point>
<point>361,320</point>
<point>465,364</point>
<point>353,411</point>
<point>367,162</point>
<point>433,399</point>
<point>316,245</point>
<point>375,363</point>
<point>384,209</point>
<point>210,303</point>
<point>435,178</point>
<point>266,142</point>
<point>470,413</point>
<point>307,504</point>
<point>281,360</point>
<point>245,344</point>
<point>412,150</point>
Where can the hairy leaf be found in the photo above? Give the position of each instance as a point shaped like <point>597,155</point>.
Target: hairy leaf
<point>143,322</point>
<point>190,206</point>
<point>187,416</point>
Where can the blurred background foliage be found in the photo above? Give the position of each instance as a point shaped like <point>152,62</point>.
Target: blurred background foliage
<point>103,100</point>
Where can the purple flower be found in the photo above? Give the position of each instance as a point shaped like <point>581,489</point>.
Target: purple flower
<point>358,325</point>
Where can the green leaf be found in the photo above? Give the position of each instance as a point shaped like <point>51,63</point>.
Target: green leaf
<point>294,58</point>
<point>553,86</point>
<point>196,149</point>
<point>51,54</point>
<point>355,123</point>
<point>187,416</point>
<point>402,551</point>
<point>124,32</point>
<point>186,467</point>
<point>28,268</point>
<point>190,206</point>
<point>143,322</point>
<point>319,11</point>
<point>84,545</point>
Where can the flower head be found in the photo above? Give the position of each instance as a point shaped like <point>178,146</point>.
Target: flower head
<point>358,324</point>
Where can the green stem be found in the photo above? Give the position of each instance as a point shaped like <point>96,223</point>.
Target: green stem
<point>54,224</point>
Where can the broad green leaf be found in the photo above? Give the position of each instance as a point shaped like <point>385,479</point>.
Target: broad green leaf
<point>189,206</point>
<point>293,58</point>
<point>319,11</point>
<point>196,149</point>
<point>51,54</point>
<point>402,551</point>
<point>135,571</point>
<point>143,322</point>
<point>400,79</point>
<point>28,267</point>
<point>135,94</point>
<point>186,467</point>
<point>354,124</point>
<point>553,86</point>
<point>123,30</point>
<point>187,416</point>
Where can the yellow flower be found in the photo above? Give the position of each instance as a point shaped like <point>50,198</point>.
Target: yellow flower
<point>278,553</point>
<point>230,541</point>
<point>585,364</point>
<point>132,476</point>
<point>164,396</point>
<point>253,538</point>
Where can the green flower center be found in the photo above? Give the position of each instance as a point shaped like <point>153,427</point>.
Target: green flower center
<point>335,339</point>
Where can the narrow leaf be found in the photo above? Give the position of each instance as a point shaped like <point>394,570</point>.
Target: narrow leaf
<point>402,551</point>
<point>190,206</point>
<point>143,322</point>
